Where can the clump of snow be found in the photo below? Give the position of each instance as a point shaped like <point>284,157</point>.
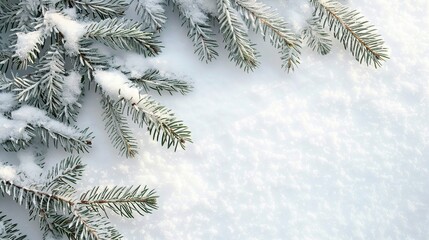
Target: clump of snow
<point>72,30</point>
<point>28,166</point>
<point>7,173</point>
<point>117,85</point>
<point>37,117</point>
<point>71,88</point>
<point>7,102</point>
<point>12,130</point>
<point>192,9</point>
<point>26,42</point>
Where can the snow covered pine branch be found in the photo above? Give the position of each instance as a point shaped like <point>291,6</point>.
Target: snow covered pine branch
<point>51,200</point>
<point>51,49</point>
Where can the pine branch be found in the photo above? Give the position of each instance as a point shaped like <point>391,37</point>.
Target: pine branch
<point>261,17</point>
<point>123,201</point>
<point>124,34</point>
<point>202,36</point>
<point>8,229</point>
<point>353,31</point>
<point>238,44</point>
<point>85,224</point>
<point>117,127</point>
<point>101,8</point>
<point>317,38</point>
<point>89,58</point>
<point>160,121</point>
<point>61,179</point>
<point>34,199</point>
<point>51,72</point>
<point>153,15</point>
<point>8,16</point>
<point>27,90</point>
<point>79,142</point>
<point>153,80</point>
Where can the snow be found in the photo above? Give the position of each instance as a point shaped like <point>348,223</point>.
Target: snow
<point>72,30</point>
<point>37,117</point>
<point>28,166</point>
<point>7,101</point>
<point>7,173</point>
<point>26,42</point>
<point>12,129</point>
<point>334,150</point>
<point>71,88</point>
<point>2,228</point>
<point>112,80</point>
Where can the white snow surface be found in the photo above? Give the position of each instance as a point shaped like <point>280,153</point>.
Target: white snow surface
<point>28,166</point>
<point>7,101</point>
<point>334,150</point>
<point>7,173</point>
<point>71,88</point>
<point>11,129</point>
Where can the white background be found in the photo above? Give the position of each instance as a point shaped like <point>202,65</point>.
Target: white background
<point>334,150</point>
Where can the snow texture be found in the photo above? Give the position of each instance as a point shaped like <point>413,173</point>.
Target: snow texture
<point>37,117</point>
<point>26,42</point>
<point>13,130</point>
<point>29,167</point>
<point>7,101</point>
<point>72,30</point>
<point>71,88</point>
<point>112,80</point>
<point>7,173</point>
<point>334,150</point>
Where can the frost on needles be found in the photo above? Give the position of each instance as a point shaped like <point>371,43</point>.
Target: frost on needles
<point>50,56</point>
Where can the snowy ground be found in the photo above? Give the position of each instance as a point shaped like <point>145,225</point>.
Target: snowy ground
<point>334,150</point>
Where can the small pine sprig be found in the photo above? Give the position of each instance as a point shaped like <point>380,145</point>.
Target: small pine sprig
<point>317,38</point>
<point>153,80</point>
<point>353,31</point>
<point>160,121</point>
<point>124,201</point>
<point>62,178</point>
<point>70,143</point>
<point>235,36</point>
<point>117,127</point>
<point>50,73</point>
<point>153,16</point>
<point>124,34</point>
<point>201,34</point>
<point>261,17</point>
<point>100,8</point>
<point>203,38</point>
<point>9,230</point>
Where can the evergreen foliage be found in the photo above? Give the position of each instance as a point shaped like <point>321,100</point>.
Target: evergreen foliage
<point>50,54</point>
<point>54,203</point>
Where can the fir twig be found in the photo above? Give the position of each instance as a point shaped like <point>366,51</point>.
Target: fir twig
<point>238,44</point>
<point>101,8</point>
<point>123,201</point>
<point>124,34</point>
<point>154,16</point>
<point>261,17</point>
<point>117,127</point>
<point>355,33</point>
<point>317,38</point>
<point>153,80</point>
